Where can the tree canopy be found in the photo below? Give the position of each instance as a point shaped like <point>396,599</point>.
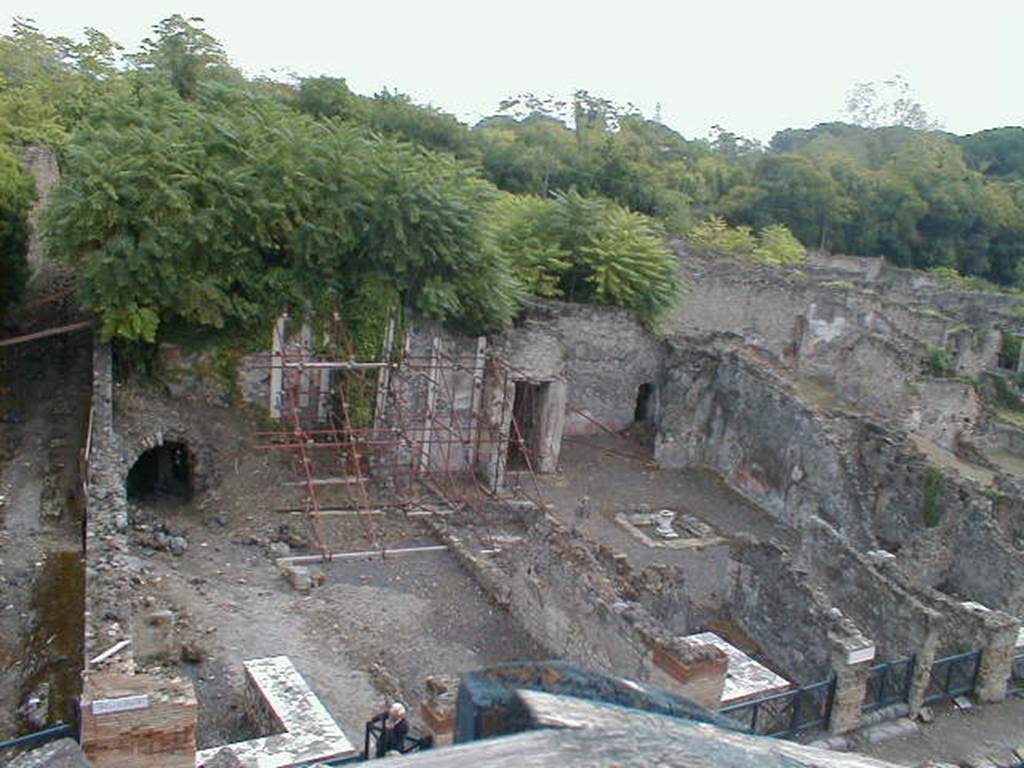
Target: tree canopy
<point>195,197</point>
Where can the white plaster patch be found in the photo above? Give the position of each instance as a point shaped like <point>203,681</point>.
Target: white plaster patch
<point>976,607</point>
<point>745,678</point>
<point>826,330</point>
<point>310,732</point>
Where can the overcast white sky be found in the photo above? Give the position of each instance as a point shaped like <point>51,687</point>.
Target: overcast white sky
<point>752,67</point>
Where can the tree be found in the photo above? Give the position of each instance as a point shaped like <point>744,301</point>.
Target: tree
<point>330,97</point>
<point>46,83</point>
<point>887,103</point>
<point>219,210</point>
<point>183,53</point>
<point>16,193</point>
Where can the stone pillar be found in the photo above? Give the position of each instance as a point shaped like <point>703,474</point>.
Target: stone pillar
<point>550,424</point>
<point>277,366</point>
<point>922,677</point>
<point>996,662</point>
<point>41,163</point>
<point>851,666</point>
<point>497,400</point>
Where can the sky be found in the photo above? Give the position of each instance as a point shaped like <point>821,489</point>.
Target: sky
<point>751,67</point>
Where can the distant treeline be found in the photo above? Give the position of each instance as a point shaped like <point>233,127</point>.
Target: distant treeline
<point>196,198</point>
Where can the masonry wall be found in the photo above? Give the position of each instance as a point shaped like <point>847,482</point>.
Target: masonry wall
<point>899,623</point>
<point>555,584</point>
<point>602,353</point>
<point>865,330</point>
<point>163,727</point>
<point>970,552</point>
<point>722,411</point>
<point>41,163</point>
<point>794,623</point>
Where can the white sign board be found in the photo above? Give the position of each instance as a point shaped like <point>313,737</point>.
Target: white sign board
<point>121,704</point>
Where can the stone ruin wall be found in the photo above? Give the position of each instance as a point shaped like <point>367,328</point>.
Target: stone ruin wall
<point>851,328</point>
<point>41,163</point>
<point>164,726</point>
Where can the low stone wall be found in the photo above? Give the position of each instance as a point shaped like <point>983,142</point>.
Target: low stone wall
<point>794,622</point>
<point>124,713</point>
<point>799,628</point>
<point>898,622</point>
<point>556,586</point>
<point>966,626</point>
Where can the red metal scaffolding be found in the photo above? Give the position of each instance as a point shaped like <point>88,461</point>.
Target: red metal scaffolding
<point>406,432</point>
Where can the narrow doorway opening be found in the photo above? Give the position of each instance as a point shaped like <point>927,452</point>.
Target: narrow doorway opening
<point>644,411</point>
<point>523,427</point>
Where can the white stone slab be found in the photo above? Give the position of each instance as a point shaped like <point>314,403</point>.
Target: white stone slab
<point>744,678</point>
<point>310,732</point>
<point>1020,636</point>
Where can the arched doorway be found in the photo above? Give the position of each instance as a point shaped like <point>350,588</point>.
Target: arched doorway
<point>163,472</point>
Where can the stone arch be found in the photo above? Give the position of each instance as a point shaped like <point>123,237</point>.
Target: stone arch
<point>165,470</point>
<point>168,450</point>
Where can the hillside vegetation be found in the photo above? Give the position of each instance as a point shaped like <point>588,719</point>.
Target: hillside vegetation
<point>194,198</point>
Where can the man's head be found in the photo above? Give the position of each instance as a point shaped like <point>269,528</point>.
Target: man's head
<point>397,711</point>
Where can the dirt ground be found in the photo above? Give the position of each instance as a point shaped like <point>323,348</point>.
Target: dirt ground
<point>371,631</point>
<point>986,735</point>
<point>44,390</point>
<point>618,474</point>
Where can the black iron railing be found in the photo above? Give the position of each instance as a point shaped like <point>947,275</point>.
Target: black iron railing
<point>37,739</point>
<point>889,683</point>
<point>374,729</point>
<point>953,676</point>
<point>1015,686</point>
<point>788,713</point>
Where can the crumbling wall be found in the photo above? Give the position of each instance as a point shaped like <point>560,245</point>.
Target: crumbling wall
<point>899,623</point>
<point>794,622</point>
<point>559,588</point>
<point>693,592</point>
<point>722,411</point>
<point>124,713</point>
<point>602,353</point>
<point>865,331</point>
<point>968,553</point>
<point>41,163</point>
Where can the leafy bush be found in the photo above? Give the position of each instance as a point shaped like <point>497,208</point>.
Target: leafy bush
<point>776,245</point>
<point>16,193</point>
<point>938,363</point>
<point>931,504</point>
<point>716,235</point>
<point>587,249</point>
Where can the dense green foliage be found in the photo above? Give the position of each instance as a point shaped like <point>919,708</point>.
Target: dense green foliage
<point>774,244</point>
<point>587,249</point>
<point>209,210</point>
<point>194,198</point>
<point>16,192</point>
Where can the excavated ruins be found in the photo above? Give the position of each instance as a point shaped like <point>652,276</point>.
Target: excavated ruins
<point>778,506</point>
